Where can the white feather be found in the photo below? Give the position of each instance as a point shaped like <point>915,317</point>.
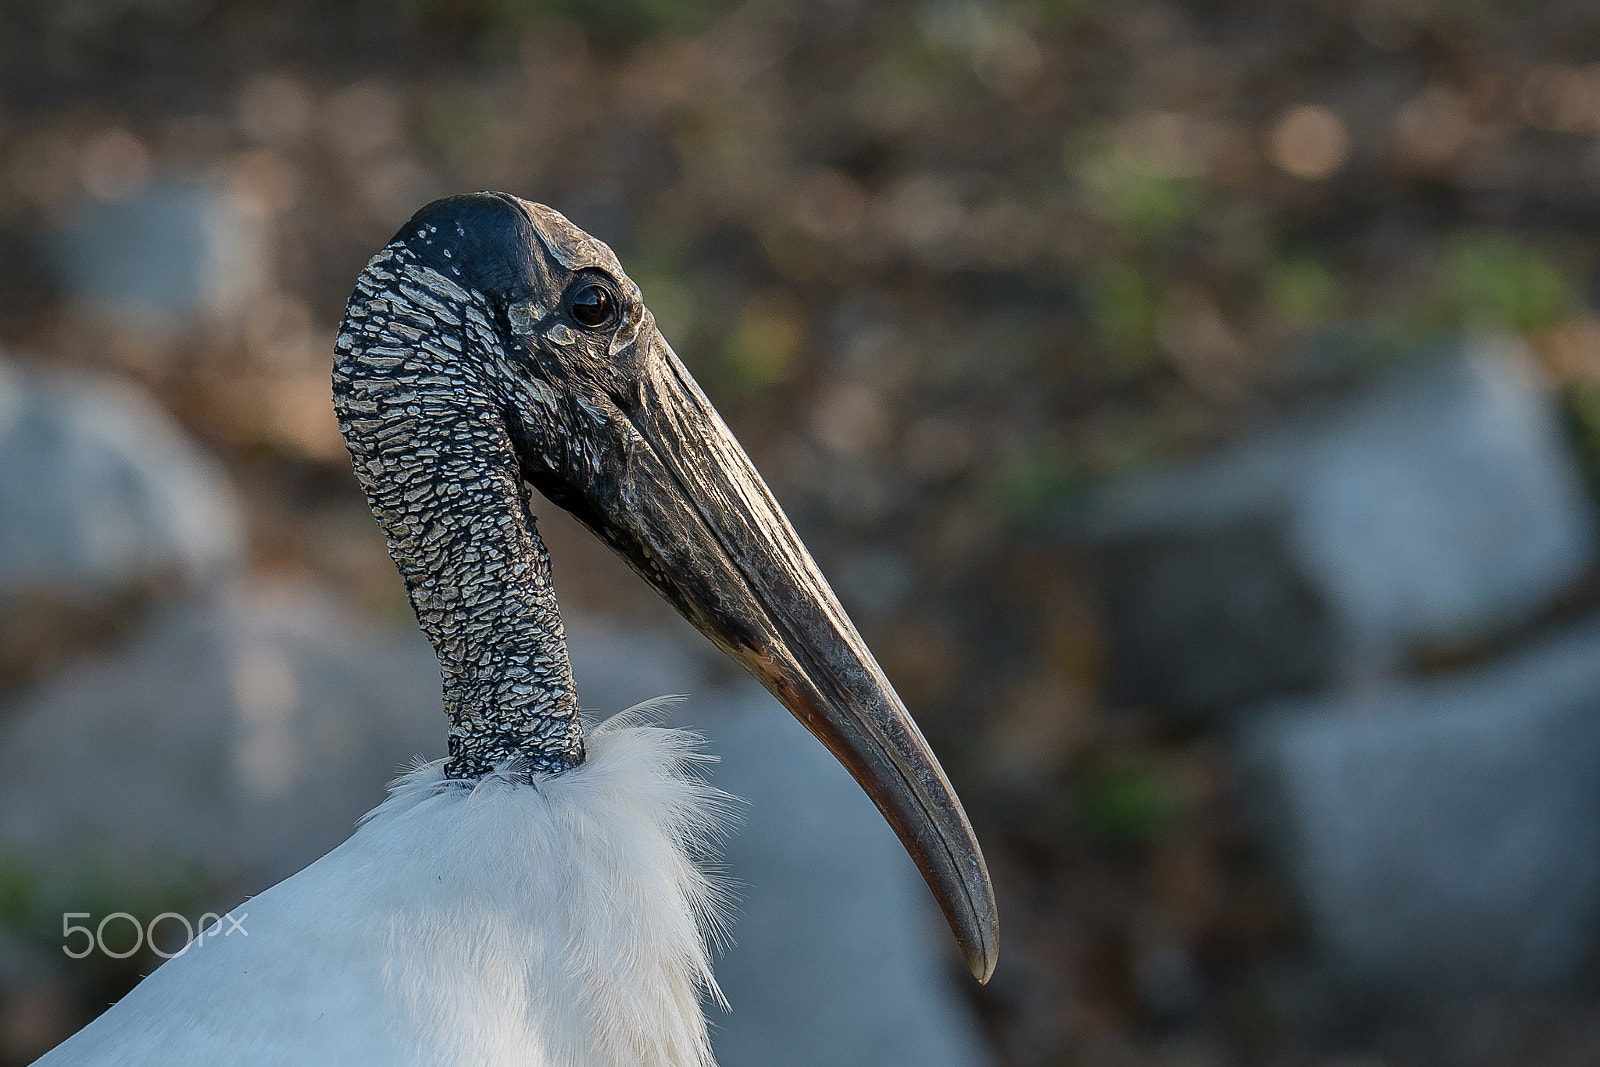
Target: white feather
<point>521,919</point>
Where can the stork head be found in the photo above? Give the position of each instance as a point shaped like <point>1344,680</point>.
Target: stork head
<point>554,355</point>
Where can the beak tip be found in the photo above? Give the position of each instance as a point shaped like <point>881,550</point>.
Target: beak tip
<point>982,967</point>
<point>983,950</point>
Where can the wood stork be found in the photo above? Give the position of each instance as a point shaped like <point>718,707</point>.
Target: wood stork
<point>534,898</point>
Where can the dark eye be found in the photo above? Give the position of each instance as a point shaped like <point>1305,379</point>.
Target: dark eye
<point>591,305</point>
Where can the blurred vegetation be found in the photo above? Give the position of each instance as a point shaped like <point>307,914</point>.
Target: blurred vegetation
<point>617,22</point>
<point>1128,802</point>
<point>34,899</point>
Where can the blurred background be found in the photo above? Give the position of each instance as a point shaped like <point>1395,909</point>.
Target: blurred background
<point>1196,404</point>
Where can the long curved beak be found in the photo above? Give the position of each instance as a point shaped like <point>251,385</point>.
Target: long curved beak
<point>682,503</point>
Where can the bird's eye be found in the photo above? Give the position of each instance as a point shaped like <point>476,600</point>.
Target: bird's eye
<point>592,305</point>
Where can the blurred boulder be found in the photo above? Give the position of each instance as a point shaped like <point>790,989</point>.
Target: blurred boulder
<point>616,669</point>
<point>1444,835</point>
<point>247,734</point>
<point>173,250</point>
<point>1204,619</point>
<point>1439,506</point>
<point>99,490</point>
<point>839,955</point>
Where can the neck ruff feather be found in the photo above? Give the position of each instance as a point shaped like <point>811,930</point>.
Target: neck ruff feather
<point>520,920</point>
<point>613,858</point>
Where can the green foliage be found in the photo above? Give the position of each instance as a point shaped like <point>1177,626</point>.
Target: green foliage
<point>672,302</point>
<point>20,891</point>
<point>33,897</point>
<point>1583,404</point>
<point>1302,290</point>
<point>1499,280</point>
<point>1121,307</point>
<point>1148,198</point>
<point>459,122</point>
<point>620,20</point>
<point>1586,404</point>
<point>1065,13</point>
<point>1128,802</point>
<point>1032,483</point>
<point>1125,441</point>
<point>760,351</point>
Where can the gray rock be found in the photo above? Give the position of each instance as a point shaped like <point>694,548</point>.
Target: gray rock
<point>1209,618</point>
<point>179,249</point>
<point>1438,507</point>
<point>839,954</point>
<point>99,490</point>
<point>1444,835</point>
<point>616,669</point>
<point>248,735</point>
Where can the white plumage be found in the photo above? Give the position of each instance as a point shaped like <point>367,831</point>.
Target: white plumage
<point>444,932</point>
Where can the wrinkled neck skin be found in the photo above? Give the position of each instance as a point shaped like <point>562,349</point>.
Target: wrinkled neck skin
<point>414,388</point>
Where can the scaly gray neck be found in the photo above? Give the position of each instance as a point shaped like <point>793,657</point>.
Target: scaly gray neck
<point>419,398</point>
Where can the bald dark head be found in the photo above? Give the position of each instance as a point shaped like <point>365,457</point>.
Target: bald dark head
<point>485,241</point>
<point>501,245</point>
